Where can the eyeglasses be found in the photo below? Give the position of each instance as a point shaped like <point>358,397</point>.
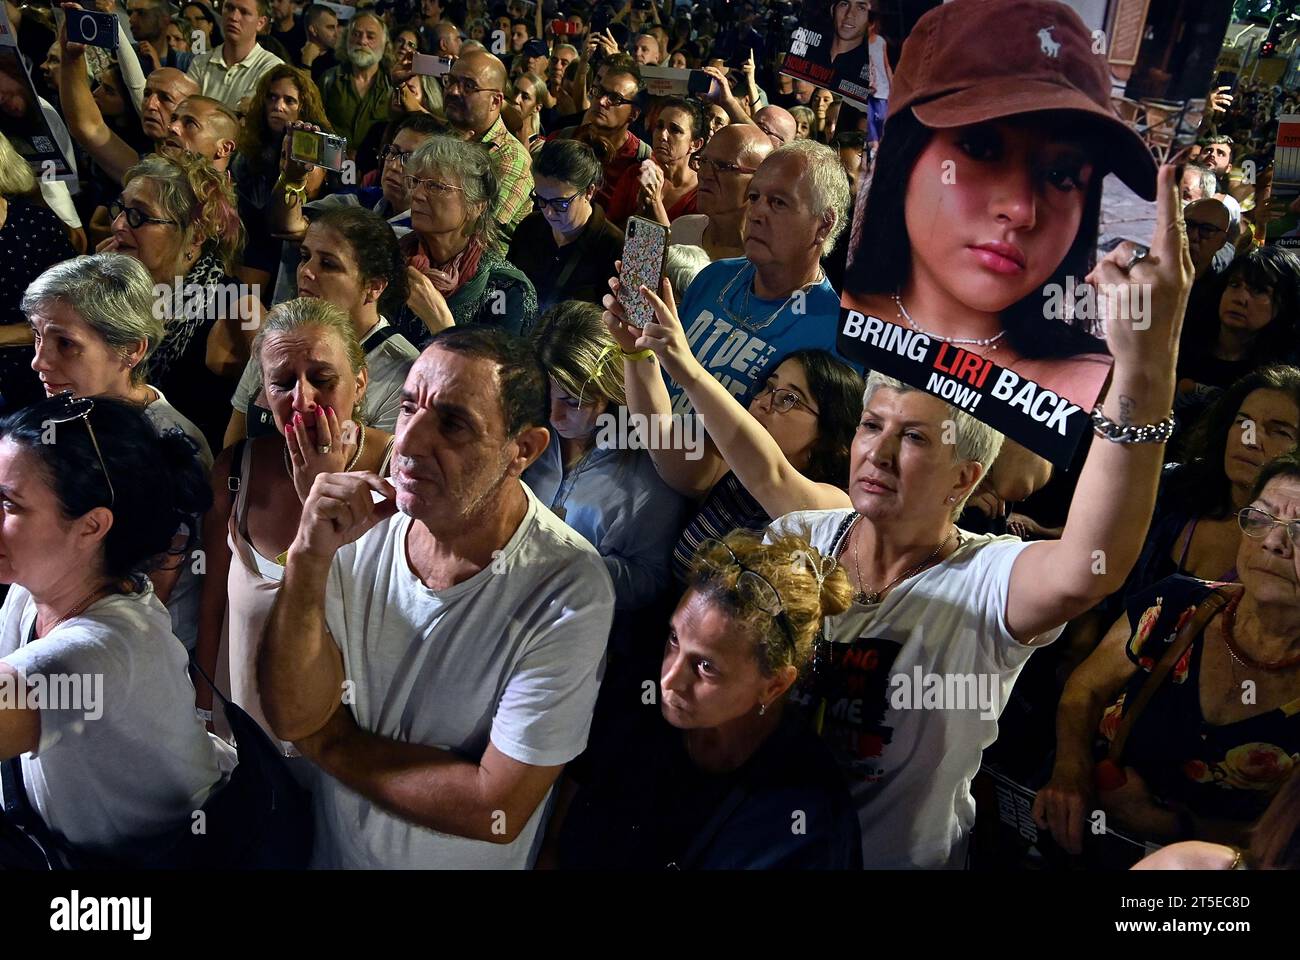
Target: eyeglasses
<point>1206,231</point>
<point>390,152</point>
<point>771,133</point>
<point>431,186</point>
<point>753,587</point>
<point>699,162</point>
<point>783,401</point>
<point>78,408</point>
<point>134,218</point>
<point>468,85</point>
<point>1257,524</point>
<point>558,204</point>
<point>611,97</point>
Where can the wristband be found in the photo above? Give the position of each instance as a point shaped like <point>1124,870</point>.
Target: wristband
<point>1108,429</point>
<point>292,190</point>
<point>645,354</point>
<point>204,715</point>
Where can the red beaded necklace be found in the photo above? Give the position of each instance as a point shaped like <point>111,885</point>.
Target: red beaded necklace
<point>1229,621</point>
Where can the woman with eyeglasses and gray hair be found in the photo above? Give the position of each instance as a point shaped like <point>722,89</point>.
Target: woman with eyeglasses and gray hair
<point>120,758</point>
<point>566,247</point>
<point>95,328</point>
<point>1154,727</point>
<point>721,776</point>
<point>456,277</point>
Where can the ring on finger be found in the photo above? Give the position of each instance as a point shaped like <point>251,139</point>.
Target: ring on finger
<point>324,448</point>
<point>1139,253</point>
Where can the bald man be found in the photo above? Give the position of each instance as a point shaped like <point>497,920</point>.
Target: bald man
<point>446,40</point>
<point>164,90</point>
<point>727,165</point>
<point>206,127</point>
<point>474,94</point>
<point>778,123</point>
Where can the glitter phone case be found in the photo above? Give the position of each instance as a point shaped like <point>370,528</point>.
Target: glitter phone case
<point>645,248</point>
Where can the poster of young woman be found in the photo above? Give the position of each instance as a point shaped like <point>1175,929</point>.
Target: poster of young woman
<point>969,254</point>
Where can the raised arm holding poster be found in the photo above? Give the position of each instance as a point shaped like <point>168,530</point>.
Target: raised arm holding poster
<point>968,265</point>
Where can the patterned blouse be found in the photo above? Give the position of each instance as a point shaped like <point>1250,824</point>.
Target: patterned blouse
<point>1228,771</point>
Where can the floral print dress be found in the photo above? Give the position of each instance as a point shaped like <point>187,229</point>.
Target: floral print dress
<point>1228,771</point>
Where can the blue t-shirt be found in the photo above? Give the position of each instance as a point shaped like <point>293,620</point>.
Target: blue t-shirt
<point>722,332</point>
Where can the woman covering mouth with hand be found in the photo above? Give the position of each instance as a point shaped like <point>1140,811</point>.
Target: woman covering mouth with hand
<point>314,379</point>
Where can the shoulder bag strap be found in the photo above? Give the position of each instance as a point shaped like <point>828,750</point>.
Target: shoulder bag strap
<point>1205,611</point>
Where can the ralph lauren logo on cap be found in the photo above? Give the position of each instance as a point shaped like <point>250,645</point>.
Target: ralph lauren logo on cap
<point>1050,46</point>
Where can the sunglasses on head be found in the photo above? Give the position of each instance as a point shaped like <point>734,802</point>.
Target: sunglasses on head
<point>70,408</point>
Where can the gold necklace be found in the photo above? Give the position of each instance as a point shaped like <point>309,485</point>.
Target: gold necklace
<point>79,607</point>
<point>875,596</point>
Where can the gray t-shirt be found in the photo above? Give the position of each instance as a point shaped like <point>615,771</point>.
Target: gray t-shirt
<point>387,364</point>
<point>512,656</point>
<point>130,760</point>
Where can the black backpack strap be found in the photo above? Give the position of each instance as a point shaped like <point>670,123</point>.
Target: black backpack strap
<point>376,337</point>
<point>235,477</point>
<point>16,805</point>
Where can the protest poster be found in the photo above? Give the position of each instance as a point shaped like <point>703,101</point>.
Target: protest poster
<point>1284,230</point>
<point>21,118</point>
<point>973,238</point>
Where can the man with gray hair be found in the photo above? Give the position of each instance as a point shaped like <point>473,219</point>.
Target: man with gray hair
<point>356,94</point>
<point>743,316</point>
<point>1198,183</point>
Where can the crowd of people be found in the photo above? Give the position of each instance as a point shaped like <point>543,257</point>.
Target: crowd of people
<point>375,450</point>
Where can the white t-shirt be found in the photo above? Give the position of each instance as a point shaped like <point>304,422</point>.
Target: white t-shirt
<point>909,768</point>
<point>689,229</point>
<point>133,760</point>
<point>512,656</point>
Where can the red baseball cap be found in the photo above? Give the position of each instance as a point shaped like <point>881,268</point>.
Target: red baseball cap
<point>969,61</point>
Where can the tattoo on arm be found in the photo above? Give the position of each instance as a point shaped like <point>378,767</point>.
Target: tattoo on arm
<point>1125,410</point>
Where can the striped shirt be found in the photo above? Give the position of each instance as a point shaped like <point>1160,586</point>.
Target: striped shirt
<point>727,507</point>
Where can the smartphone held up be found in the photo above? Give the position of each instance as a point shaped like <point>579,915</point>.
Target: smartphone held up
<point>645,250</point>
<point>319,148</point>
